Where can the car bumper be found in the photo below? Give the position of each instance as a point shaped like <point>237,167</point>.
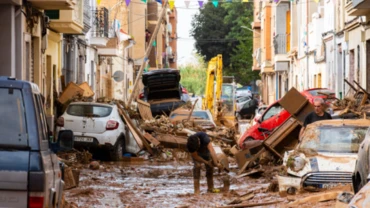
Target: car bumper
<point>89,140</point>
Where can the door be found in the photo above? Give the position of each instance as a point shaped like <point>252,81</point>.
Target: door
<point>351,66</point>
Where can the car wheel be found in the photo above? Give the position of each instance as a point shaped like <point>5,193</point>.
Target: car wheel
<point>117,152</point>
<point>357,184</point>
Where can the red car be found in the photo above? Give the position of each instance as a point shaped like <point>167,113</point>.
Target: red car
<point>275,115</point>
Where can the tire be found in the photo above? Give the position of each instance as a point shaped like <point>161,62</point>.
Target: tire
<point>357,184</point>
<point>116,154</point>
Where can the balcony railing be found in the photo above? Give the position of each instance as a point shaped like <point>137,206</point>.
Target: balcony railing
<point>100,27</point>
<point>280,44</point>
<point>87,16</point>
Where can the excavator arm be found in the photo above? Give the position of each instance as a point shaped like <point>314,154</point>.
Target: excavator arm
<point>212,93</point>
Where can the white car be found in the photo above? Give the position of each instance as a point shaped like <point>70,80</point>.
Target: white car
<point>326,156</point>
<point>240,101</point>
<point>97,125</point>
<point>243,92</point>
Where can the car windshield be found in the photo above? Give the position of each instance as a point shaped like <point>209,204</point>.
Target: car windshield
<point>275,109</point>
<point>339,139</point>
<point>13,130</point>
<point>89,110</point>
<point>321,92</point>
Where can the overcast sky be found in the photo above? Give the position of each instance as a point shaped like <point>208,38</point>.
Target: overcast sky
<point>185,43</point>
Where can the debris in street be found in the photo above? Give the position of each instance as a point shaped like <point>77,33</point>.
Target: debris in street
<point>88,92</point>
<point>94,165</point>
<point>250,204</point>
<point>144,110</point>
<point>316,198</point>
<point>71,92</point>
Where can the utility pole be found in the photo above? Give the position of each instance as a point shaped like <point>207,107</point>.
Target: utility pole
<point>147,52</point>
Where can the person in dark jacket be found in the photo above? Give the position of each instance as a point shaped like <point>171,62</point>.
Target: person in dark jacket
<point>317,115</point>
<point>201,149</point>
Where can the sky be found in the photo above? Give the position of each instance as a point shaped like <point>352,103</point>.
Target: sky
<point>185,43</point>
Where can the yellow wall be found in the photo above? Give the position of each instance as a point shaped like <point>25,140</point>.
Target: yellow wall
<point>52,57</point>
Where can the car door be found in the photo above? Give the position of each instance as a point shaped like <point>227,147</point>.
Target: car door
<point>46,154</point>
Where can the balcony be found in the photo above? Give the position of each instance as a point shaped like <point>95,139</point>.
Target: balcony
<point>100,27</point>
<point>87,16</point>
<point>280,44</point>
<point>54,4</point>
<point>357,7</point>
<point>67,21</point>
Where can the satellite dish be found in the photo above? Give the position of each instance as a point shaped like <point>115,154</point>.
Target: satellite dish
<point>118,76</point>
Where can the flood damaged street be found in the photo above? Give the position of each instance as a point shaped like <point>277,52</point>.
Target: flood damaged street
<point>170,184</point>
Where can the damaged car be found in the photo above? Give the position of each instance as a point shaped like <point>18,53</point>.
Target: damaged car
<point>361,175</point>
<point>326,155</point>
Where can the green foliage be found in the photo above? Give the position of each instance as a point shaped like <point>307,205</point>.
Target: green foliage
<point>224,25</point>
<point>193,77</point>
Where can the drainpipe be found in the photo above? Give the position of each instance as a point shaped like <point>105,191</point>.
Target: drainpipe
<point>307,72</point>
<point>125,59</point>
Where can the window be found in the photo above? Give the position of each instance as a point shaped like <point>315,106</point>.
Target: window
<point>334,138</point>
<point>13,129</point>
<point>89,110</point>
<point>272,111</point>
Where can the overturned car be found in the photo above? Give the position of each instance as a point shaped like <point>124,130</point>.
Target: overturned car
<point>326,155</point>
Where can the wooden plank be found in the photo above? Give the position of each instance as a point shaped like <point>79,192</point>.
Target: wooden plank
<point>172,141</point>
<point>69,178</point>
<point>135,132</point>
<point>251,160</point>
<point>71,91</point>
<point>87,90</point>
<point>280,136</point>
<point>299,108</point>
<point>151,139</point>
<point>316,198</point>
<point>144,110</point>
<point>251,204</point>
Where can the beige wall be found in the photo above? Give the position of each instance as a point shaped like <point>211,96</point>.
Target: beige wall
<point>137,10</point>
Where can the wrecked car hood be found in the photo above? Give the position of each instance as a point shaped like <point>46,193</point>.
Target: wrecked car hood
<point>298,164</point>
<point>362,198</point>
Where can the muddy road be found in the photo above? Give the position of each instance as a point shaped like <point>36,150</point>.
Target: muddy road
<point>169,184</point>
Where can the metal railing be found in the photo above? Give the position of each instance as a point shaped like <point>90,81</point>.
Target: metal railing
<point>100,26</point>
<point>280,42</point>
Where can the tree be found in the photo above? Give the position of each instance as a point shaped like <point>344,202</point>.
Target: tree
<point>218,31</point>
<point>193,76</point>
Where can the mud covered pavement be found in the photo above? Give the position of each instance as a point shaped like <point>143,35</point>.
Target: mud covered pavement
<point>170,184</point>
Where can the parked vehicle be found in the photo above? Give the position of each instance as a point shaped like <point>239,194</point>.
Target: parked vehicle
<point>201,118</point>
<point>243,92</point>
<point>261,109</point>
<point>163,91</point>
<point>30,172</point>
<point>361,199</point>
<point>241,101</point>
<point>324,93</point>
<point>361,175</point>
<point>98,125</point>
<point>327,153</point>
<point>248,110</point>
<point>273,117</point>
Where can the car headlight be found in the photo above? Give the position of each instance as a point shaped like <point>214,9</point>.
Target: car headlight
<point>296,163</point>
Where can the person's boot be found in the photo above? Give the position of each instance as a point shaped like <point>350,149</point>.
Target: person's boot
<point>210,184</point>
<point>196,186</point>
<point>211,188</point>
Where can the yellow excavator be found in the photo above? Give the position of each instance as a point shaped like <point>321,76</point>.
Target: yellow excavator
<point>220,94</point>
